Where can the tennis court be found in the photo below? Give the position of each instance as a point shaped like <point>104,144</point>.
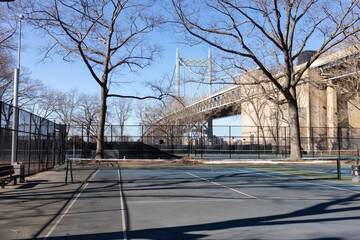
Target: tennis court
<point>208,202</point>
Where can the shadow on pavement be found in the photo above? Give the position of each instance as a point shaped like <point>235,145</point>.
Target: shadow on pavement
<point>185,232</point>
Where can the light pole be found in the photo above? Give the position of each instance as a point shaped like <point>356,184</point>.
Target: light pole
<point>15,105</point>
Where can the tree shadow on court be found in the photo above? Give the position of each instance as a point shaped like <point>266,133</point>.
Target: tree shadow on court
<point>308,215</point>
<point>313,214</point>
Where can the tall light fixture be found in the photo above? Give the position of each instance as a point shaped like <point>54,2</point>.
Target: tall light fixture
<point>15,105</point>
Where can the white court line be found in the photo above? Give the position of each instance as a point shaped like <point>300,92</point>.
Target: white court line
<point>338,188</point>
<point>309,183</point>
<point>68,208</point>
<point>187,200</point>
<point>218,184</point>
<point>122,207</point>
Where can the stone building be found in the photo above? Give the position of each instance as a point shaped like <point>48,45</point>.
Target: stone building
<point>328,100</point>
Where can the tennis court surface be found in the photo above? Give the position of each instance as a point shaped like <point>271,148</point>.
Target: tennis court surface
<point>206,201</point>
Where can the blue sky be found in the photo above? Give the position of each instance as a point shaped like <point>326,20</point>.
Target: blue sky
<point>65,76</point>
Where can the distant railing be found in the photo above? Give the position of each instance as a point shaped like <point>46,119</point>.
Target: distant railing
<point>40,142</point>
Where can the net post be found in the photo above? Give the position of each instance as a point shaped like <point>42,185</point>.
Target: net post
<point>338,167</point>
<point>71,172</point>
<point>357,161</point>
<point>66,170</point>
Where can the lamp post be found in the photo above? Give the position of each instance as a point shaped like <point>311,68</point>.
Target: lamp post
<point>15,105</point>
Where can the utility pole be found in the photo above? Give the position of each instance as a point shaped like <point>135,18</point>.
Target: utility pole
<point>16,104</point>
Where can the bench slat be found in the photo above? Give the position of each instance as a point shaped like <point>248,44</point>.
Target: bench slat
<point>3,168</point>
<point>6,170</point>
<point>6,173</point>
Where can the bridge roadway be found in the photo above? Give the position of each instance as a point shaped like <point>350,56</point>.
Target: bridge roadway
<point>221,99</point>
<point>224,102</point>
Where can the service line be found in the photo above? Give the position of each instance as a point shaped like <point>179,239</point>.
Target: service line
<point>224,186</point>
<point>305,182</point>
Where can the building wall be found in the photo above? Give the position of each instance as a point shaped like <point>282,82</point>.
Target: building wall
<point>318,117</point>
<point>354,114</point>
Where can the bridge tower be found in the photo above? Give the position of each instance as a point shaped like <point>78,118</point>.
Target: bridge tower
<point>192,62</point>
<point>189,63</point>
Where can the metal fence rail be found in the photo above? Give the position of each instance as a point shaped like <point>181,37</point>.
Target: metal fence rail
<point>40,142</point>
<point>217,141</point>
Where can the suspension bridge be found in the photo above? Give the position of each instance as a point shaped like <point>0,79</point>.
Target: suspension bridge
<point>205,89</point>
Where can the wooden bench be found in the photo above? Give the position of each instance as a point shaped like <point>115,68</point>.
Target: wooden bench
<point>7,174</point>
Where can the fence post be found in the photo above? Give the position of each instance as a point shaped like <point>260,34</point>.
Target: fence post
<point>312,141</point>
<point>339,145</point>
<point>338,166</point>
<point>142,133</point>
<point>201,143</point>
<point>142,140</point>
<point>258,141</point>
<point>29,156</point>
<point>172,132</point>
<point>277,139</point>
<point>74,150</point>
<point>189,145</point>
<point>66,170</point>
<point>230,141</point>
<point>38,145</point>
<point>53,143</point>
<point>82,140</point>
<point>47,145</point>
<point>111,133</point>
<point>285,144</point>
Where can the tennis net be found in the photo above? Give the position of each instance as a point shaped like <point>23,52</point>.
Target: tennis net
<point>81,170</point>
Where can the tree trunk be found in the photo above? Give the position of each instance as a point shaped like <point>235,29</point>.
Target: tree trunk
<point>88,133</point>
<point>101,125</point>
<point>295,146</point>
<point>121,132</point>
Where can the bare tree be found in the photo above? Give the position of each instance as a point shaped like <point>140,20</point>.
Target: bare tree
<point>7,27</point>
<point>6,73</point>
<point>7,31</point>
<point>168,120</point>
<point>106,35</point>
<point>88,113</point>
<point>270,35</point>
<point>66,107</point>
<point>122,110</point>
<point>44,103</point>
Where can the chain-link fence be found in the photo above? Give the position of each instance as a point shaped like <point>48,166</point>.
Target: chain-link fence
<point>40,142</point>
<point>212,142</point>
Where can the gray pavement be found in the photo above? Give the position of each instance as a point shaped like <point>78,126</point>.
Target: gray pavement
<point>177,202</point>
<point>204,204</point>
<point>26,210</point>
